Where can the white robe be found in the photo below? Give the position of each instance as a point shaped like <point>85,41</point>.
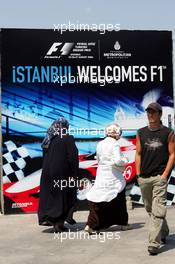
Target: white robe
<point>109,178</point>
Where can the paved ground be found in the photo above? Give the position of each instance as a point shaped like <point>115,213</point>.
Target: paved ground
<point>23,241</point>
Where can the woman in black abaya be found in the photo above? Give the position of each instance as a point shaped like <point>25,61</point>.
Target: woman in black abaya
<point>60,165</point>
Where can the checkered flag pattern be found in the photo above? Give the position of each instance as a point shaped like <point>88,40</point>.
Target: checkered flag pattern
<point>136,196</point>
<point>171,189</point>
<point>15,158</point>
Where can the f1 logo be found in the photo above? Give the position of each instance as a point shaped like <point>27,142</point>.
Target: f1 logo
<point>65,49</point>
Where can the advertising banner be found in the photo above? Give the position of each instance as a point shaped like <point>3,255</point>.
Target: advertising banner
<point>90,78</point>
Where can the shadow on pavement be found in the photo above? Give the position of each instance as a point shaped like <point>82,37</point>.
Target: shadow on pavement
<point>81,225</point>
<point>170,244</point>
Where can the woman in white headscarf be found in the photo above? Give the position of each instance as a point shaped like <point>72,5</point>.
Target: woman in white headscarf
<point>106,198</point>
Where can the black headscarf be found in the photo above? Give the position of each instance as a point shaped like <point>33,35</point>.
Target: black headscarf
<point>59,127</point>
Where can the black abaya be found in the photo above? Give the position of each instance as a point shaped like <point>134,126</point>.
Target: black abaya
<point>60,163</point>
<point>105,214</point>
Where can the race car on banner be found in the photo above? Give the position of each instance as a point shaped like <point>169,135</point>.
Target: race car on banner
<point>22,172</point>
<point>22,181</point>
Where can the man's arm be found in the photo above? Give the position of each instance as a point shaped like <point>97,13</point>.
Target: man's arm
<point>171,160</point>
<point>138,155</point>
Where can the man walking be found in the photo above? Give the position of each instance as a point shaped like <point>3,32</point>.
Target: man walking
<point>155,156</point>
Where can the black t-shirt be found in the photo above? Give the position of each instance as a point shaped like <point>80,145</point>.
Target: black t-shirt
<point>154,154</point>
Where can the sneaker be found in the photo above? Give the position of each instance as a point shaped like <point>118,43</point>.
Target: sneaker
<point>88,229</point>
<point>152,250</point>
<point>126,227</point>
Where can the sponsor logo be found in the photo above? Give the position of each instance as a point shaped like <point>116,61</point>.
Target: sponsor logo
<point>117,53</point>
<point>128,172</point>
<point>117,46</point>
<point>21,205</point>
<point>71,50</point>
<point>59,49</point>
